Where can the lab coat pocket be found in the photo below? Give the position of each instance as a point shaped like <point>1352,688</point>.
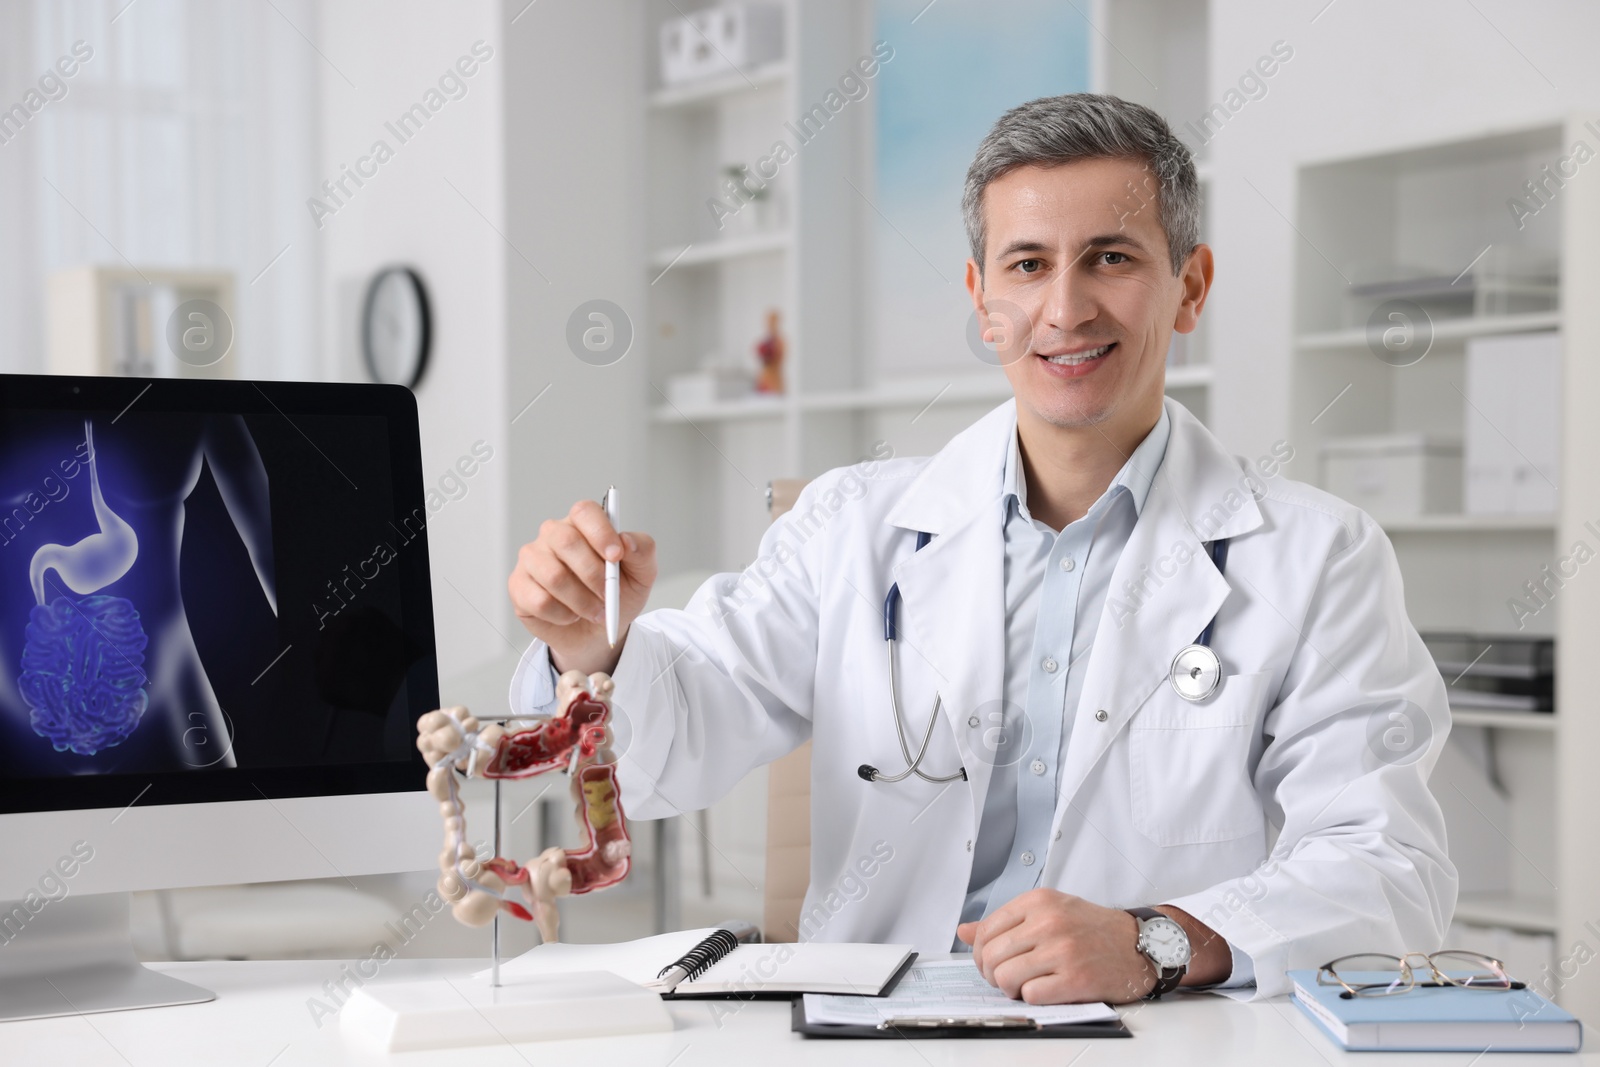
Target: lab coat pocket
<point>1188,764</point>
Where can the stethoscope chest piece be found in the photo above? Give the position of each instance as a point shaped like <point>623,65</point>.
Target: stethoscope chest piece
<point>1196,672</point>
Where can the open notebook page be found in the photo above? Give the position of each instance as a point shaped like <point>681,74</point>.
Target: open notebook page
<point>818,967</point>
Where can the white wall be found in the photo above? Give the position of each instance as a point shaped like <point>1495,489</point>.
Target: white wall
<point>381,57</point>
<point>574,215</point>
<point>1366,76</point>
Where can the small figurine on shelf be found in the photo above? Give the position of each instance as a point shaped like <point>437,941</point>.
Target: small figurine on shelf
<point>770,349</point>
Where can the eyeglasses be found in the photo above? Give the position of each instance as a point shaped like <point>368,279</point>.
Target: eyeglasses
<point>1375,974</point>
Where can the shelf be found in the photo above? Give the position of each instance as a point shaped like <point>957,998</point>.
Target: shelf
<point>748,407</point>
<point>1537,721</point>
<point>912,392</point>
<point>1536,914</point>
<point>1471,524</point>
<point>722,87</point>
<point>701,253</point>
<point>1443,330</point>
<point>969,388</point>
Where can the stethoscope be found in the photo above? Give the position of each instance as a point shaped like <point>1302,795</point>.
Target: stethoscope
<point>1196,672</point>
<point>867,771</point>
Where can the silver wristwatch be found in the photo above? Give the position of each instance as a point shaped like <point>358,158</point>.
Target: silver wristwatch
<point>1166,945</point>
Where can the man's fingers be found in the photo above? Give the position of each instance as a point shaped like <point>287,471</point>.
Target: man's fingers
<point>533,601</point>
<point>1007,917</point>
<point>1015,971</point>
<point>589,519</point>
<point>572,548</point>
<point>1002,948</point>
<point>639,565</point>
<point>556,593</point>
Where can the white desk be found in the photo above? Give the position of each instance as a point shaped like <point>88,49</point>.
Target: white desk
<point>260,1019</point>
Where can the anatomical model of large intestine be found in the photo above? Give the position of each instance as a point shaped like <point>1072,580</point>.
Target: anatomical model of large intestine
<point>578,739</point>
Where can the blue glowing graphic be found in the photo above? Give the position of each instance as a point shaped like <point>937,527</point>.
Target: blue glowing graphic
<point>83,663</point>
<point>83,672</point>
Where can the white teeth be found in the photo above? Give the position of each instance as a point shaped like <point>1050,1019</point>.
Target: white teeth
<point>1079,357</point>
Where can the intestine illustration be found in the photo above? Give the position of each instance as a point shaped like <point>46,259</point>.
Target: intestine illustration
<point>579,740</point>
<point>111,677</point>
<point>83,663</point>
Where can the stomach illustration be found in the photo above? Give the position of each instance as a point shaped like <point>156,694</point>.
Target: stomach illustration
<point>83,674</point>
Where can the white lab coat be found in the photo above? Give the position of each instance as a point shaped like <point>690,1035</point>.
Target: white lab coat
<point>1161,801</point>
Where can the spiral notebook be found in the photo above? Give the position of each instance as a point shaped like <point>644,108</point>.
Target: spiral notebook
<point>722,969</point>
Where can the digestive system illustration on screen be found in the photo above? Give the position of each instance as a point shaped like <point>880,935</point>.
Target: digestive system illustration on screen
<point>577,740</point>
<point>109,657</point>
<point>83,663</point>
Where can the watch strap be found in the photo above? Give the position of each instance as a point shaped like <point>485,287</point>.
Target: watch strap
<point>1167,978</point>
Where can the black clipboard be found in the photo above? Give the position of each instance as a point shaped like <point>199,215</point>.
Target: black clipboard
<point>798,1025</point>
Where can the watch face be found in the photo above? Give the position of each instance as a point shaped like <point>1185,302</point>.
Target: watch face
<point>1164,942</point>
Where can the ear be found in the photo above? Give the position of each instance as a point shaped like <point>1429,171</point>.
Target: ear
<point>975,285</point>
<point>1196,283</point>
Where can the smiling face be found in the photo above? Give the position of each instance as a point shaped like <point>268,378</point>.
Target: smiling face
<point>1077,293</point>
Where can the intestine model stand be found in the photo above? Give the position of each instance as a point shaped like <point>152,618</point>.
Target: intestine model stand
<point>577,739</point>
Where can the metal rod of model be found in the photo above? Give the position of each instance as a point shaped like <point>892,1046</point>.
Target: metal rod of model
<point>577,739</point>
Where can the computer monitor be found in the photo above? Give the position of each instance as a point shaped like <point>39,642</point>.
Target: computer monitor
<point>216,637</point>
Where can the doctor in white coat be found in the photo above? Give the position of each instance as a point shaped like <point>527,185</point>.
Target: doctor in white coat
<point>1097,836</point>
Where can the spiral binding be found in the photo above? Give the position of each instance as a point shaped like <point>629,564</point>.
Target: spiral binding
<point>703,955</point>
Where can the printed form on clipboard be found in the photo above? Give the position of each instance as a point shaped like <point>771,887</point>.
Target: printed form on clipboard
<point>944,988</point>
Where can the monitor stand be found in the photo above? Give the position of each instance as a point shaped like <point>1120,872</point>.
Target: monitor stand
<point>75,956</point>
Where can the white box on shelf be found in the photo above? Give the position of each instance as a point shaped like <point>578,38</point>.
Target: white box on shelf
<point>720,40</point>
<point>1395,476</point>
<point>1513,423</point>
<point>709,386</point>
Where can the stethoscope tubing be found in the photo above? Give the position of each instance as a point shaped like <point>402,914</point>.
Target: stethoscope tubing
<point>1219,556</point>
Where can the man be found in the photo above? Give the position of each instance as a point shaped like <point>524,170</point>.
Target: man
<point>1063,778</point>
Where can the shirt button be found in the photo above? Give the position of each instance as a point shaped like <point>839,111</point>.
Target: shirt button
<point>1067,563</point>
<point>1049,665</point>
<point>972,721</point>
<point>1101,716</point>
<point>1037,766</point>
<point>969,846</point>
<point>1027,859</point>
<point>1058,835</point>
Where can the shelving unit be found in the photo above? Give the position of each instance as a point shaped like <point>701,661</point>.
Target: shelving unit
<point>709,288</point>
<point>1506,780</point>
<point>1505,720</point>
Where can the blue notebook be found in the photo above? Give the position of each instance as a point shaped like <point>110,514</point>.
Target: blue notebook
<point>1444,1019</point>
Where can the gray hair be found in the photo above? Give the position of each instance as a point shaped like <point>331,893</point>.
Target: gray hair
<point>1054,130</point>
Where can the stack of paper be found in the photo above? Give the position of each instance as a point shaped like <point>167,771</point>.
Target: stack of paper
<point>944,988</point>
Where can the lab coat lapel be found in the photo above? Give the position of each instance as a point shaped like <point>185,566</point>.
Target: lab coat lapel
<point>953,591</point>
<point>1164,589</point>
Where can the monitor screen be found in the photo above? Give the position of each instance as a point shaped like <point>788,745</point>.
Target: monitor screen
<point>209,591</point>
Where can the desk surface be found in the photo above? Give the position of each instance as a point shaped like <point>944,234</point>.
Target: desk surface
<point>261,1018</point>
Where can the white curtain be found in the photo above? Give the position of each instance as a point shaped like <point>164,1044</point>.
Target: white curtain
<point>186,139</point>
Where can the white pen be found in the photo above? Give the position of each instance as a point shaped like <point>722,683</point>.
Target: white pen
<point>613,573</point>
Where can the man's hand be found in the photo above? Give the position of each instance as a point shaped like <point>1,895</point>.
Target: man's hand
<point>1047,947</point>
<point>559,586</point>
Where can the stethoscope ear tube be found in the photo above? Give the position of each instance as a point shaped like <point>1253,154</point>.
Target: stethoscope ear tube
<point>867,771</point>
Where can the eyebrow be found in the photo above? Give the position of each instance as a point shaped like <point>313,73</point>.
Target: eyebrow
<point>1104,240</point>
